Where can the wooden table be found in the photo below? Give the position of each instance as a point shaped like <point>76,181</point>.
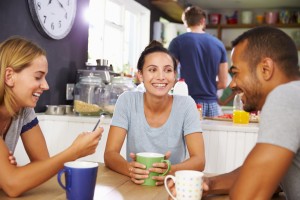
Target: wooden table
<point>110,186</point>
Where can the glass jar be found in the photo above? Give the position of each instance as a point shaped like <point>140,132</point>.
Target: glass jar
<point>239,115</point>
<point>90,95</point>
<point>118,85</point>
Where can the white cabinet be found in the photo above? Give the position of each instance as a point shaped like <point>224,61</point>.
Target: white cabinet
<point>227,145</point>
<point>61,131</point>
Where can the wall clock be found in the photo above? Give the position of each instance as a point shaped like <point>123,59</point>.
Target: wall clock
<point>53,18</point>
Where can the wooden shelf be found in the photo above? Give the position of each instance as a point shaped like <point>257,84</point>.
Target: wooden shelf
<point>209,26</point>
<point>172,8</point>
<point>220,27</point>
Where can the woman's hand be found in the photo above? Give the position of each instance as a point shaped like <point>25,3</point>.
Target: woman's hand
<point>160,168</point>
<point>137,171</point>
<point>12,158</point>
<point>87,142</point>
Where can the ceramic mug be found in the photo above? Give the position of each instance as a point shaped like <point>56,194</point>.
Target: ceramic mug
<point>188,185</point>
<point>80,179</point>
<point>147,159</point>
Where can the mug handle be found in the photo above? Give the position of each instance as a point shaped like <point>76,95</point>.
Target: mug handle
<point>169,167</point>
<point>166,185</point>
<point>60,173</point>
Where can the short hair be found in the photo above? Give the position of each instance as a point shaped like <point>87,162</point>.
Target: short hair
<point>193,15</point>
<point>154,47</point>
<point>15,52</point>
<point>266,41</point>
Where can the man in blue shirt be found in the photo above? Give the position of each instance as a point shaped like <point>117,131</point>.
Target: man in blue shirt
<point>203,60</point>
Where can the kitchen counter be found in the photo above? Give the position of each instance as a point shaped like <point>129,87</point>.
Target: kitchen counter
<point>226,144</point>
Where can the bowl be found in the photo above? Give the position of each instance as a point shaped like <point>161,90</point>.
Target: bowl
<point>231,20</point>
<point>55,109</point>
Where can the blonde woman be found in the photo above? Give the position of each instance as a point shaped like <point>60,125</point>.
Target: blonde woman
<point>23,70</point>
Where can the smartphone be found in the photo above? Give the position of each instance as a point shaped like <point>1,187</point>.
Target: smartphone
<point>99,120</point>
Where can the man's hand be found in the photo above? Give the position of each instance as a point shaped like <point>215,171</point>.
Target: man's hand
<point>171,186</point>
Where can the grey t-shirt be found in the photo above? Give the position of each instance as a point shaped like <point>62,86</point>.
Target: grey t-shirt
<point>184,119</point>
<point>25,120</point>
<point>280,126</point>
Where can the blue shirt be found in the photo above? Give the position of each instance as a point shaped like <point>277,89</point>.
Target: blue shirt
<point>200,55</point>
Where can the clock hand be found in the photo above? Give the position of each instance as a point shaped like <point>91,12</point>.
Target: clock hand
<point>50,1</point>
<point>61,5</point>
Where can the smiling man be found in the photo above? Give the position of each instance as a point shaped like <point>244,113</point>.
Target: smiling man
<point>265,69</point>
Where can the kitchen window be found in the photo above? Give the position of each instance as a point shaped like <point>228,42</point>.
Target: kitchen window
<point>119,33</point>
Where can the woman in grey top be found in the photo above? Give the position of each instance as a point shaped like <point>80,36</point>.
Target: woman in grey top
<point>155,121</point>
<point>23,69</point>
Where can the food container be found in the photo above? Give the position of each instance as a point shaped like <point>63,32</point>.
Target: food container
<point>118,85</point>
<point>259,19</point>
<point>231,20</point>
<point>247,17</point>
<point>69,110</point>
<point>271,17</point>
<point>215,18</point>
<point>55,110</point>
<point>284,16</point>
<point>90,96</point>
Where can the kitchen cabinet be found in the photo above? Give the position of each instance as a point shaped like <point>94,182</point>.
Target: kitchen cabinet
<point>61,130</point>
<point>226,144</point>
<point>228,32</point>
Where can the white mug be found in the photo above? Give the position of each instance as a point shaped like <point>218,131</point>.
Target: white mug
<point>188,185</point>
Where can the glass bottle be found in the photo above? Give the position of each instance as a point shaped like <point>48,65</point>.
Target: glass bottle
<point>199,107</point>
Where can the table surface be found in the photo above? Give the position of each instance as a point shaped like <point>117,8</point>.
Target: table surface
<point>110,186</point>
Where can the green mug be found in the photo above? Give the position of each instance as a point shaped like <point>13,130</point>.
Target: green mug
<point>148,158</point>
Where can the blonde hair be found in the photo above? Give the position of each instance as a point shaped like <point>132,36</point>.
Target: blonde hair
<point>15,52</point>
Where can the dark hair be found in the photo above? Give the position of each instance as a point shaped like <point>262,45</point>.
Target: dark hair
<point>192,15</point>
<point>153,47</point>
<point>266,41</point>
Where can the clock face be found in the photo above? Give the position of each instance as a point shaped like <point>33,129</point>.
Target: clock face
<point>53,18</point>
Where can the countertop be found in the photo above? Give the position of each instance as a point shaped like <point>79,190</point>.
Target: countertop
<point>207,124</point>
